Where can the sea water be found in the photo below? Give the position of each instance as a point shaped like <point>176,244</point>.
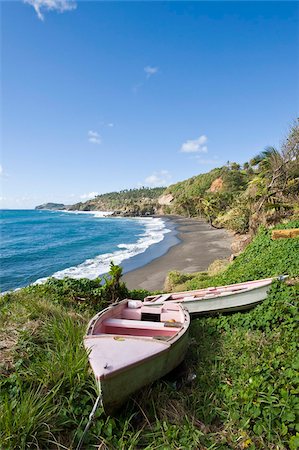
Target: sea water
<point>37,244</point>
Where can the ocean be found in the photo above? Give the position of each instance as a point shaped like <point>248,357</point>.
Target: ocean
<point>37,244</point>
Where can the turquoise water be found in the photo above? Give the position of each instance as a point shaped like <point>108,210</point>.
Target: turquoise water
<point>38,244</point>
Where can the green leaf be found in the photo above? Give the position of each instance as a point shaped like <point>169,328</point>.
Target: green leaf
<point>258,428</point>
<point>284,429</point>
<point>294,442</point>
<point>288,416</point>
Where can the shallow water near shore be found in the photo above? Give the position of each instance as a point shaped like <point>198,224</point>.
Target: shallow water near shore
<point>38,244</point>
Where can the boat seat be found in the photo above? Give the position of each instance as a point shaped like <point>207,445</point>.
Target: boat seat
<point>140,324</point>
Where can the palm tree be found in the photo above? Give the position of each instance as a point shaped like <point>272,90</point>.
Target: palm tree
<point>186,203</point>
<point>210,206</point>
<point>271,175</point>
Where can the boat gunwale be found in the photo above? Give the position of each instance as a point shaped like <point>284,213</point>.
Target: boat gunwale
<point>172,341</point>
<point>203,298</point>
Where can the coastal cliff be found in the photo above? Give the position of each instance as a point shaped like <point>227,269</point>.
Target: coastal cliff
<point>129,202</point>
<point>52,206</point>
<point>262,191</point>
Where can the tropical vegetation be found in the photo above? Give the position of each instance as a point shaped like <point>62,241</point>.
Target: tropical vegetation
<point>134,202</point>
<point>238,388</point>
<point>264,190</point>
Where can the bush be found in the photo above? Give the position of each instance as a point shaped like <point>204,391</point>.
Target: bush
<point>138,294</point>
<point>218,266</point>
<point>175,278</point>
<point>235,219</point>
<point>83,293</point>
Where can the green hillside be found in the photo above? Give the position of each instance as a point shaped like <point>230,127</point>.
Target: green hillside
<point>264,190</point>
<point>237,390</point>
<point>207,194</point>
<point>132,202</point>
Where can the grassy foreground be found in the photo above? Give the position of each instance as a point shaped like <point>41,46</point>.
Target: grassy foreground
<point>237,389</point>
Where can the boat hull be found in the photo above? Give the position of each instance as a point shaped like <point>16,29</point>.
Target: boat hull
<point>229,303</point>
<point>130,345</point>
<point>118,387</point>
<point>226,301</point>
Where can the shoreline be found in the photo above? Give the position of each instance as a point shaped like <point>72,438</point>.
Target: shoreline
<point>184,239</point>
<point>140,240</point>
<point>198,245</point>
<point>155,250</point>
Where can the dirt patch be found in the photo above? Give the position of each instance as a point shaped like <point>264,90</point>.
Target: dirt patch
<point>165,199</point>
<point>240,242</point>
<point>8,341</point>
<point>216,186</point>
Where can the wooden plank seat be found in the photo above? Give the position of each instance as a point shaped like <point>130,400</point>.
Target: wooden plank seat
<point>140,327</point>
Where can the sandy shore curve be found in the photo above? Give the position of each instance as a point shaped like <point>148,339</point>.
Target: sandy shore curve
<point>200,244</point>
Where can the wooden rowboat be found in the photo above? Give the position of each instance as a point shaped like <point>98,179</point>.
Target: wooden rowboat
<point>131,344</point>
<point>234,297</point>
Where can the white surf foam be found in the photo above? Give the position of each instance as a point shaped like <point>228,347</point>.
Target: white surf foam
<point>92,268</point>
<point>98,214</point>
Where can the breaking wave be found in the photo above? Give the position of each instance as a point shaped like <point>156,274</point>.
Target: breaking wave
<point>155,230</point>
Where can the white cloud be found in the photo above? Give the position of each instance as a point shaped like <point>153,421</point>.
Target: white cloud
<point>1,170</point>
<point>93,133</point>
<point>42,6</point>
<point>160,178</point>
<point>150,70</point>
<point>94,137</point>
<point>195,145</point>
<point>110,125</point>
<point>88,196</point>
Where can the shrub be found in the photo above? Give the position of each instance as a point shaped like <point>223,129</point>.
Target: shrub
<point>235,219</point>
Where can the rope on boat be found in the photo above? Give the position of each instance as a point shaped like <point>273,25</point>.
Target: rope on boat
<point>90,419</point>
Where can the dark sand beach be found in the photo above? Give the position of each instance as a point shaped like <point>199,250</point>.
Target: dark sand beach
<point>199,246</point>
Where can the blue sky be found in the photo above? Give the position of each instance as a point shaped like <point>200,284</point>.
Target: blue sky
<point>103,96</point>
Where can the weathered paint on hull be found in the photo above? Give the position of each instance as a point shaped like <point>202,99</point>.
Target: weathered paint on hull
<point>116,388</point>
<point>234,302</point>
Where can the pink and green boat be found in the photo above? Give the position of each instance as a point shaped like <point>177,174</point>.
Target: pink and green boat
<point>233,297</point>
<point>131,345</point>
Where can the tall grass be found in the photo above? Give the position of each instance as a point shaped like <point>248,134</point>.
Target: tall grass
<point>237,390</point>
<point>28,417</point>
<point>50,389</point>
